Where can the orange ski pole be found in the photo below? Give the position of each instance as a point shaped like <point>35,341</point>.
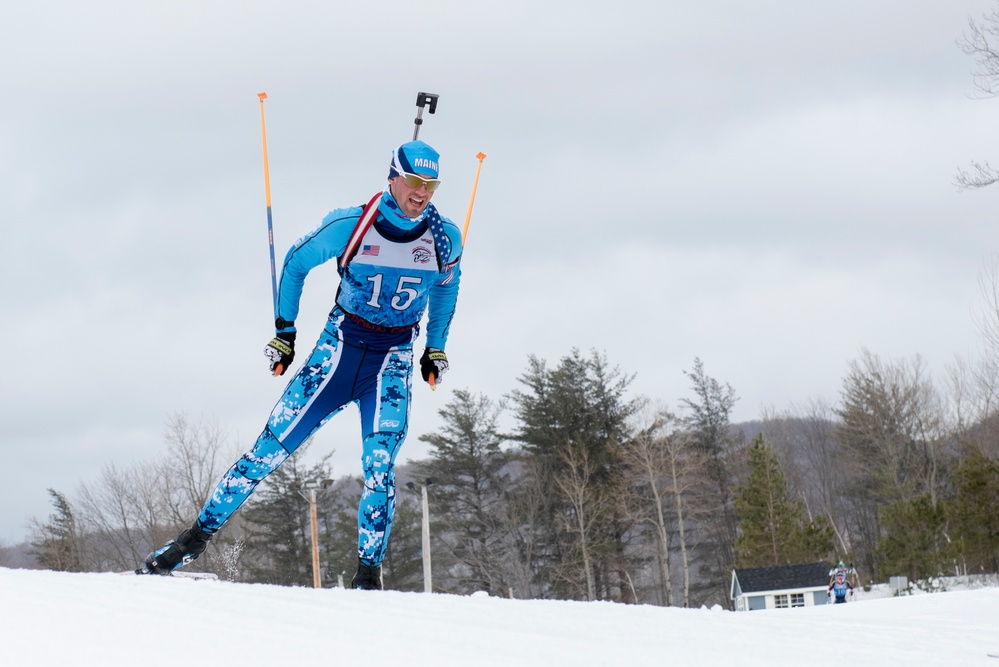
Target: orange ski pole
<point>471,202</point>
<point>432,381</point>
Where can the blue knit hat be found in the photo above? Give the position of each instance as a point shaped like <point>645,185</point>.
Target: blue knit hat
<point>414,157</point>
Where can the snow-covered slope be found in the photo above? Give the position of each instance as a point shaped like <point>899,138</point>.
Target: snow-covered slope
<point>60,620</point>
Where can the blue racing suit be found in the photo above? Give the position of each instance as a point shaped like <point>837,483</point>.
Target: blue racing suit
<point>402,268</point>
<point>839,589</point>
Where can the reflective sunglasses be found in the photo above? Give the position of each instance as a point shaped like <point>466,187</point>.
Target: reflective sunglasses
<point>415,181</point>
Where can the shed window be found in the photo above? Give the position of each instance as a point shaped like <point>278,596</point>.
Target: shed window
<point>780,601</point>
<point>797,599</point>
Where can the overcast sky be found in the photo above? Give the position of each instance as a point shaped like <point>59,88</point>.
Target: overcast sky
<point>767,186</point>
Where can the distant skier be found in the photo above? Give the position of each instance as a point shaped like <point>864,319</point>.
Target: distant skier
<point>849,573</point>
<point>405,263</point>
<point>840,588</point>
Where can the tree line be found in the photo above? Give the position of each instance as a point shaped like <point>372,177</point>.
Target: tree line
<point>593,494</point>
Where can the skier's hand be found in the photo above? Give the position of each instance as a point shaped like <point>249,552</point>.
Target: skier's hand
<point>281,351</point>
<point>433,365</point>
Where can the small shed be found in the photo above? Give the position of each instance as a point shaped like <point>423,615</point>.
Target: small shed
<point>780,586</point>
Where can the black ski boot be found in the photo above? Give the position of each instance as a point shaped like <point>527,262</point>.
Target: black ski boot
<point>368,577</point>
<point>187,547</point>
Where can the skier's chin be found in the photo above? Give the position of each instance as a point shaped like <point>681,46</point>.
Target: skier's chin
<point>415,209</point>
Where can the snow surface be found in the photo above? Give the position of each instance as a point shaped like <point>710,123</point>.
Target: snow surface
<point>60,619</point>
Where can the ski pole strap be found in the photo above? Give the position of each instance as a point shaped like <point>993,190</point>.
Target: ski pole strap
<point>368,216</point>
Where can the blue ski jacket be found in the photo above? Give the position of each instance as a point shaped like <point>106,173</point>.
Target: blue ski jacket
<point>403,267</point>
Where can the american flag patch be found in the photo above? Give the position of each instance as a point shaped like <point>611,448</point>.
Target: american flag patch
<point>370,250</point>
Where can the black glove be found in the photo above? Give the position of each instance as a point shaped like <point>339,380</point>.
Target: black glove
<point>433,363</point>
<point>281,351</point>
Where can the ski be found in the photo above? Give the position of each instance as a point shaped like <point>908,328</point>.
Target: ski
<point>206,576</point>
<point>201,576</point>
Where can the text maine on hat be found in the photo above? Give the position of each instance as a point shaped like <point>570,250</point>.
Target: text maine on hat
<point>415,157</point>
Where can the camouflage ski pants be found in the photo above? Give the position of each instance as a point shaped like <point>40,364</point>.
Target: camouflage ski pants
<point>348,365</point>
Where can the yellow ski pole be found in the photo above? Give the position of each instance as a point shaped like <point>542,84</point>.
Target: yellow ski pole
<point>464,231</point>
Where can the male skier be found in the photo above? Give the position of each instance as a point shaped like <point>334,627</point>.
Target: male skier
<point>397,258</point>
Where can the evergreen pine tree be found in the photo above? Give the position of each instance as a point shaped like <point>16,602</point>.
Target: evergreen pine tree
<point>976,511</point>
<point>915,543</point>
<point>278,547</point>
<point>338,529</point>
<point>575,412</point>
<point>707,422</point>
<point>773,528</point>
<point>58,544</point>
<point>468,495</point>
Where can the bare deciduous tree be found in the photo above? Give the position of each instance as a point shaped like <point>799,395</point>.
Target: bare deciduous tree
<point>6,554</point>
<point>644,456</point>
<point>974,383</point>
<point>130,509</point>
<point>983,392</point>
<point>980,43</point>
<point>118,512</point>
<point>686,464</point>
<point>525,506</point>
<point>667,470</point>
<point>587,501</point>
<point>198,455</point>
